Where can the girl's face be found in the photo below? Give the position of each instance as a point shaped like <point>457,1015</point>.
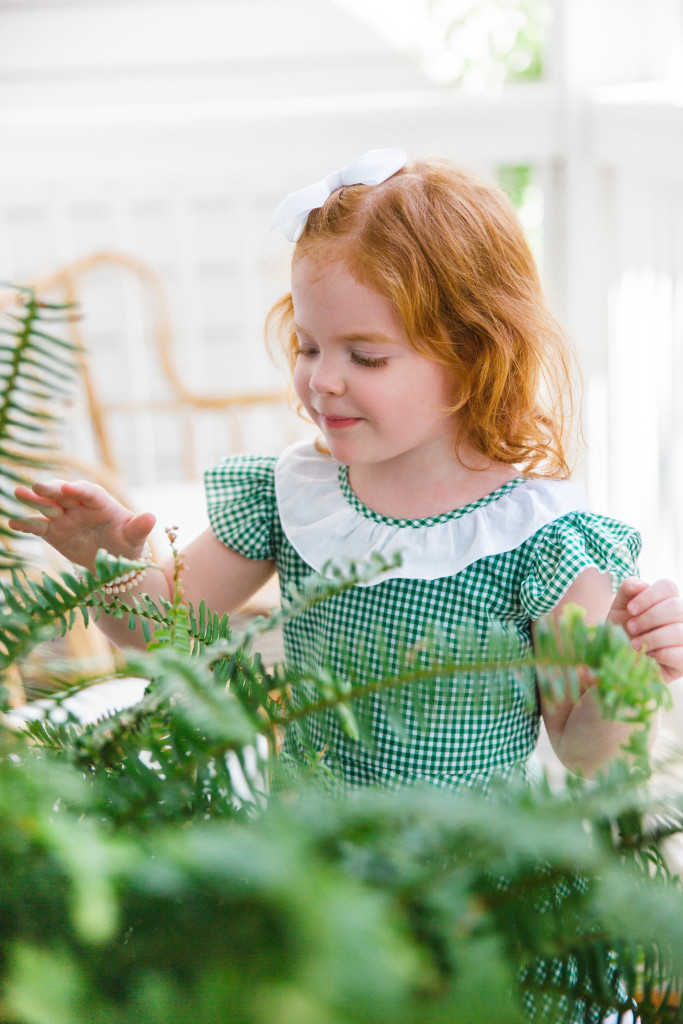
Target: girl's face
<point>376,400</point>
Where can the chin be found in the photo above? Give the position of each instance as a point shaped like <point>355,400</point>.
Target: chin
<point>345,453</point>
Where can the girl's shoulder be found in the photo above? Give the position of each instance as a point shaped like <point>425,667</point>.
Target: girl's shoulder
<point>325,522</point>
<point>241,468</point>
<point>565,547</point>
<point>241,505</point>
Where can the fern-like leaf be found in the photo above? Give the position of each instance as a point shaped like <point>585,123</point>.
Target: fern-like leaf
<point>37,370</point>
<point>32,610</point>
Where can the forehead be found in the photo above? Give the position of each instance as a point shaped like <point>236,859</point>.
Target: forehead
<point>328,290</point>
<point>318,272</point>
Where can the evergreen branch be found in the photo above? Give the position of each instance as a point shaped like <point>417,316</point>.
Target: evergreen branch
<point>63,309</point>
<point>30,457</point>
<point>53,339</point>
<point>203,628</point>
<point>176,626</point>
<point>628,685</point>
<point>184,706</point>
<point>206,628</point>
<point>32,610</point>
<point>337,692</point>
<point>36,369</point>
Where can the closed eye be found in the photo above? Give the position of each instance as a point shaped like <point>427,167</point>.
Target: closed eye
<point>363,360</point>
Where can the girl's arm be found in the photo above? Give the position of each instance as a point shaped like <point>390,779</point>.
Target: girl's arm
<point>653,617</point>
<point>77,519</point>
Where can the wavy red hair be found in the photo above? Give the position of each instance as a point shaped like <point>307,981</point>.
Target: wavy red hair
<point>447,249</point>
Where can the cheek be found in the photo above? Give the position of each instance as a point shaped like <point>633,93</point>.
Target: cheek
<point>427,395</point>
<point>300,380</point>
<point>437,388</point>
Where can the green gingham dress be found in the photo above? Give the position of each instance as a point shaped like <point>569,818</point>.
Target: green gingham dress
<point>496,564</point>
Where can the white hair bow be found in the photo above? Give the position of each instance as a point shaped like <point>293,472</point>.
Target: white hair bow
<point>372,168</point>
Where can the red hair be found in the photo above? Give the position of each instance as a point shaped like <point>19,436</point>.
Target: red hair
<point>447,249</point>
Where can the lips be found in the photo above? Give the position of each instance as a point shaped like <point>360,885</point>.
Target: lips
<point>339,422</point>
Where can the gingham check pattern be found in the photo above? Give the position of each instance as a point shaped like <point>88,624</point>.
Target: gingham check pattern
<point>467,733</point>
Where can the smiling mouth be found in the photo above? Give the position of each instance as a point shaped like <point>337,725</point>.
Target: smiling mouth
<point>339,422</point>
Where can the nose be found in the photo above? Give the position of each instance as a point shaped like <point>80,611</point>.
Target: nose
<point>326,378</point>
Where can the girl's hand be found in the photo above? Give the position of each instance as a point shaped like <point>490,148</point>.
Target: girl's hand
<point>77,519</point>
<point>652,615</point>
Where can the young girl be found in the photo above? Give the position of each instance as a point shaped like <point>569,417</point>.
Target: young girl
<point>422,348</point>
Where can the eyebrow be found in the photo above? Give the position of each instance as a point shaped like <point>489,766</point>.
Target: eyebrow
<point>374,337</point>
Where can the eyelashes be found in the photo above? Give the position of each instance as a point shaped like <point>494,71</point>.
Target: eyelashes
<point>362,360</point>
<point>356,357</point>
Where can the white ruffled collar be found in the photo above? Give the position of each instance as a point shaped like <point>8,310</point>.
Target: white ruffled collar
<point>325,522</point>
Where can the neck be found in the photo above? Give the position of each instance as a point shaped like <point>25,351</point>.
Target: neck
<point>427,487</point>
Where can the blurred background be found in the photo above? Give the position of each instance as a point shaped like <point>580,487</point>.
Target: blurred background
<point>144,144</point>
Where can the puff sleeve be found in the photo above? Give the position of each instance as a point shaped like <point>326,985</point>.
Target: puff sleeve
<point>567,546</point>
<point>240,497</point>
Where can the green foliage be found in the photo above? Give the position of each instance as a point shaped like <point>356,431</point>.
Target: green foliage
<point>627,688</point>
<point>33,610</point>
<point>36,373</point>
<point>480,44</point>
<point>146,875</point>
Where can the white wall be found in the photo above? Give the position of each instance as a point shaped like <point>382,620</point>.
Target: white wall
<point>89,53</point>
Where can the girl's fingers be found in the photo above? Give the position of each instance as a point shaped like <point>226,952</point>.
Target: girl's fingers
<point>665,637</point>
<point>630,588</point>
<point>29,496</point>
<point>61,492</point>
<point>87,495</point>
<point>66,495</point>
<point>48,488</point>
<point>37,525</point>
<point>52,511</point>
<point>48,508</point>
<point>668,611</point>
<point>45,496</point>
<point>652,595</point>
<point>653,617</point>
<point>138,528</point>
<point>79,518</point>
